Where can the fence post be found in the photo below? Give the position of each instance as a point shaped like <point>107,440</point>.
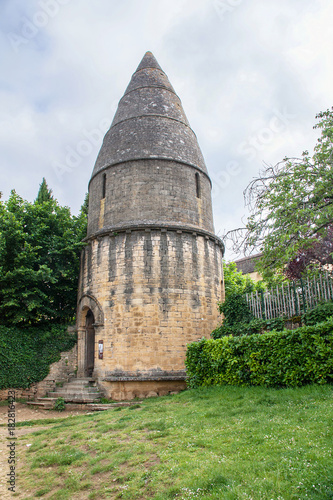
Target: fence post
<point>303,295</point>
<point>296,302</point>
<point>329,280</point>
<point>262,305</point>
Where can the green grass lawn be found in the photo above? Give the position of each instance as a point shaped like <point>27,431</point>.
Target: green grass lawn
<point>215,443</point>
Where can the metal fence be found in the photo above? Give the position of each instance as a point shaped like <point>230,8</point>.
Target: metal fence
<point>292,299</point>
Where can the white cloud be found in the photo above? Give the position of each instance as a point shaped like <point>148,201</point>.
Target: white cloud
<point>233,72</point>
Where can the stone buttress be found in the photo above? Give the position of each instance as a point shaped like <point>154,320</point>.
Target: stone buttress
<point>151,271</point>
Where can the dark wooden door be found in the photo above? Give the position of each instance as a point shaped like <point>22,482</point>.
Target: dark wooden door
<point>90,336</point>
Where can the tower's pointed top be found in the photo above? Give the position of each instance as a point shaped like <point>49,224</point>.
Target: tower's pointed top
<point>150,123</point>
<point>149,74</point>
<point>148,61</point>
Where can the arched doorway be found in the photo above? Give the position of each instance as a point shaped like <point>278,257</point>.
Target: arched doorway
<point>90,343</point>
<point>89,313</point>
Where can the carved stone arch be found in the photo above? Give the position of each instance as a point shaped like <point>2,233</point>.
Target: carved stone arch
<point>87,302</point>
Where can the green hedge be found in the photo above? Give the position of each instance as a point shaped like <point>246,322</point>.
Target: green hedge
<point>319,314</point>
<point>256,325</point>
<point>275,359</point>
<point>27,353</point>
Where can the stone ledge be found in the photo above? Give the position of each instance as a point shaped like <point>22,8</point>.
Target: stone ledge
<point>145,377</point>
<point>152,158</point>
<point>158,226</point>
<point>142,379</point>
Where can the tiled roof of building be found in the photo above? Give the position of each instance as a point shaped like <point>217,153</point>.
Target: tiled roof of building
<point>247,264</point>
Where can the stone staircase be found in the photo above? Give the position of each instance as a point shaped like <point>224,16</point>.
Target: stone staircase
<point>77,391</point>
<point>79,394</point>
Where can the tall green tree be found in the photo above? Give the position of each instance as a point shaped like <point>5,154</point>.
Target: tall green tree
<point>40,245</point>
<point>291,204</point>
<point>44,193</point>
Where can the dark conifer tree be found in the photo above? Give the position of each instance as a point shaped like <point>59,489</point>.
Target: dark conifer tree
<point>44,193</point>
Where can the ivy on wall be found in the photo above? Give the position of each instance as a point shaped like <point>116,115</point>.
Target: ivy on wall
<point>27,353</point>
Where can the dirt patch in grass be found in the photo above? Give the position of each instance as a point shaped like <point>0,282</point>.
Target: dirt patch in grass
<point>154,460</point>
<point>24,413</point>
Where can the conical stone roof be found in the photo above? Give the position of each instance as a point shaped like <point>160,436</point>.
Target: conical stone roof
<point>149,123</point>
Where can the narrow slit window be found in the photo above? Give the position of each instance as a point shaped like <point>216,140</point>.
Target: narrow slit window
<point>104,186</point>
<point>197,185</point>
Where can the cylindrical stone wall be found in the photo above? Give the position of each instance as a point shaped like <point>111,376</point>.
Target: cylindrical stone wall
<point>158,290</point>
<point>156,191</point>
<point>151,272</point>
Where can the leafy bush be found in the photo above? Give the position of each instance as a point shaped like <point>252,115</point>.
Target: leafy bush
<point>235,309</point>
<point>27,353</point>
<point>59,404</point>
<point>238,329</point>
<point>320,313</point>
<point>274,324</point>
<point>256,325</point>
<point>277,359</point>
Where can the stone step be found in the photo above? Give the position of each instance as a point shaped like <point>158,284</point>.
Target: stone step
<point>76,389</point>
<point>91,379</point>
<point>92,406</point>
<point>45,406</point>
<point>83,380</point>
<point>76,395</point>
<point>109,406</point>
<point>79,399</point>
<point>78,384</point>
<point>55,394</point>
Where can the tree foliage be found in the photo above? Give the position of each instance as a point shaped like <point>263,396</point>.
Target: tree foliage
<point>312,258</point>
<point>236,313</point>
<point>44,193</point>
<point>40,245</point>
<point>235,282</point>
<point>291,206</point>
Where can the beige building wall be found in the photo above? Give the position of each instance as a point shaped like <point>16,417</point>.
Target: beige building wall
<point>152,292</point>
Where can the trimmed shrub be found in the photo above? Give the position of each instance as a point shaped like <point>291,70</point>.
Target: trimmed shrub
<point>319,314</point>
<point>255,326</point>
<point>27,353</point>
<point>275,359</point>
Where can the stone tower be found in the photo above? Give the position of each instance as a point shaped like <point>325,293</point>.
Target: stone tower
<point>151,272</point>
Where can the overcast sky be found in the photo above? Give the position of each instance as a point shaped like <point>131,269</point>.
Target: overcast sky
<point>251,74</point>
